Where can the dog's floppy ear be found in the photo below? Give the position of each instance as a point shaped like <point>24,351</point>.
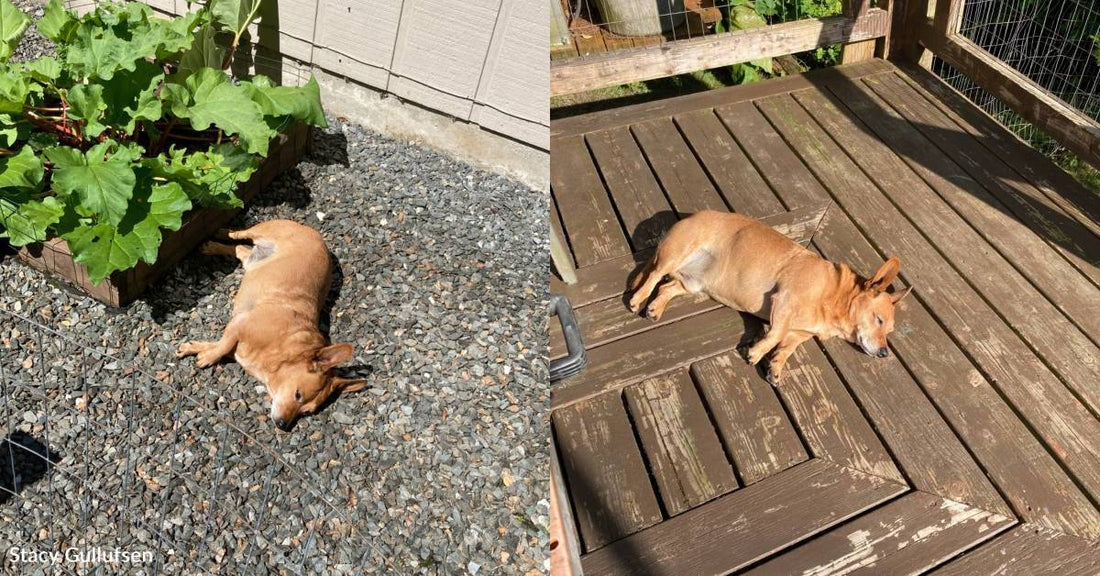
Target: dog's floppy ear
<point>349,384</point>
<point>885,275</point>
<point>330,356</point>
<point>898,296</point>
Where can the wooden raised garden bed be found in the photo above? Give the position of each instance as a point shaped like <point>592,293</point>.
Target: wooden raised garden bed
<point>121,288</point>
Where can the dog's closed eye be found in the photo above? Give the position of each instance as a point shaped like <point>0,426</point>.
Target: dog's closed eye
<point>878,319</point>
<point>297,395</point>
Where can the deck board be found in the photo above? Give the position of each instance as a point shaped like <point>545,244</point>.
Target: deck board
<point>746,525</point>
<point>586,211</point>
<point>681,446</point>
<point>746,412</point>
<point>607,479</point>
<point>641,204</point>
<point>1036,260</point>
<point>986,414</point>
<point>687,185</point>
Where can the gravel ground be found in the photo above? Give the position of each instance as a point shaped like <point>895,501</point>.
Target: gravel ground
<point>438,468</point>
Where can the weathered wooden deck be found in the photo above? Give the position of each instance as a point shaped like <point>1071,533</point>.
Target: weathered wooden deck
<point>973,449</point>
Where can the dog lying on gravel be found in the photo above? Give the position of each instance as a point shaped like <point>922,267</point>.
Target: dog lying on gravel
<point>273,332</point>
<point>750,267</point>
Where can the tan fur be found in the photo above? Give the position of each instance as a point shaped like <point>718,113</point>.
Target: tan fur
<point>752,268</point>
<point>273,332</point>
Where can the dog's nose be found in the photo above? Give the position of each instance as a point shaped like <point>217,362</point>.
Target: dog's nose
<point>281,424</point>
<point>883,352</point>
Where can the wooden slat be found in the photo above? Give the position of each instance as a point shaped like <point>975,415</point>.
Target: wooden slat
<point>559,247</point>
<point>638,198</point>
<point>611,320</point>
<point>586,212</point>
<point>1039,262</point>
<point>608,482</point>
<point>907,536</point>
<point>1016,462</point>
<point>1073,197</point>
<point>1062,345</point>
<point>681,57</point>
<point>651,353</point>
<point>687,186</point>
<point>1069,126</point>
<point>738,181</point>
<point>1030,550</point>
<point>753,425</point>
<point>666,107</point>
<point>746,525</point>
<point>680,444</point>
<point>780,167</point>
<point>830,421</point>
<point>608,279</point>
<point>1077,242</point>
<point>1035,396</point>
<point>925,447</point>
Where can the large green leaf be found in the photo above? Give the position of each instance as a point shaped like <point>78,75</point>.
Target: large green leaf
<point>204,52</point>
<point>104,248</point>
<point>234,15</point>
<point>211,99</point>
<point>86,104</point>
<point>57,23</point>
<point>13,90</point>
<point>209,177</point>
<point>27,222</point>
<point>97,53</point>
<point>302,103</point>
<point>22,172</point>
<point>13,22</point>
<point>43,69</point>
<point>132,96</point>
<point>102,178</point>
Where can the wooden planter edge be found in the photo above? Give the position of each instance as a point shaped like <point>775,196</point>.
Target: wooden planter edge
<point>54,257</point>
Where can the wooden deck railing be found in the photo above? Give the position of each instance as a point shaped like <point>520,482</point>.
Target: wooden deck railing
<point>857,29</point>
<point>940,35</point>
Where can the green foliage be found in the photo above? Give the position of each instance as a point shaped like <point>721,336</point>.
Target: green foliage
<point>131,125</point>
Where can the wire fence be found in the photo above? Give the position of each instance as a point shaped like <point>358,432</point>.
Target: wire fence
<point>583,27</point>
<point>105,468</point>
<point>1055,44</point>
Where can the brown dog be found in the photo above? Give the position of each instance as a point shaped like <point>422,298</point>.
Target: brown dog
<point>752,268</point>
<point>273,332</point>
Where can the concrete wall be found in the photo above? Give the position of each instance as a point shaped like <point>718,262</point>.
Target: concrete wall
<point>481,61</point>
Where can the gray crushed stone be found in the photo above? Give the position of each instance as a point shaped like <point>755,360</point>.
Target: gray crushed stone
<point>439,467</point>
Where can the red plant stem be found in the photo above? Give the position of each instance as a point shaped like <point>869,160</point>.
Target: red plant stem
<point>164,135</point>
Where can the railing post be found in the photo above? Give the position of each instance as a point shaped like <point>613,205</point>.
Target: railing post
<point>857,51</point>
<point>907,20</point>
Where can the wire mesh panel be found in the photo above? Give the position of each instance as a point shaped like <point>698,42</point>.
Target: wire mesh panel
<point>597,26</point>
<point>1055,44</point>
<point>104,469</point>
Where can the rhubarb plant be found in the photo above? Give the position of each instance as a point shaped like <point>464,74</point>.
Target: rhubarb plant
<point>133,123</point>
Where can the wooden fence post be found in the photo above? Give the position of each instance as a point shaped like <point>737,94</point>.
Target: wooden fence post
<point>908,18</point>
<point>858,51</point>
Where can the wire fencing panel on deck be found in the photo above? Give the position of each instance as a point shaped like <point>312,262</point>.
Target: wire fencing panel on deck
<point>1055,44</point>
<point>598,26</point>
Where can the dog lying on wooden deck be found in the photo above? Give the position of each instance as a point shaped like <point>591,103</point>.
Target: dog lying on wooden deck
<point>273,333</point>
<point>750,267</point>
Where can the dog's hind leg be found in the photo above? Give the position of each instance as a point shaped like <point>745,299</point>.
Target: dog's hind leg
<point>239,252</point>
<point>665,293</point>
<point>652,276</point>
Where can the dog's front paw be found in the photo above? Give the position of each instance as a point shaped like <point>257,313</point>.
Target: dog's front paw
<point>636,304</point>
<point>755,355</point>
<point>774,375</point>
